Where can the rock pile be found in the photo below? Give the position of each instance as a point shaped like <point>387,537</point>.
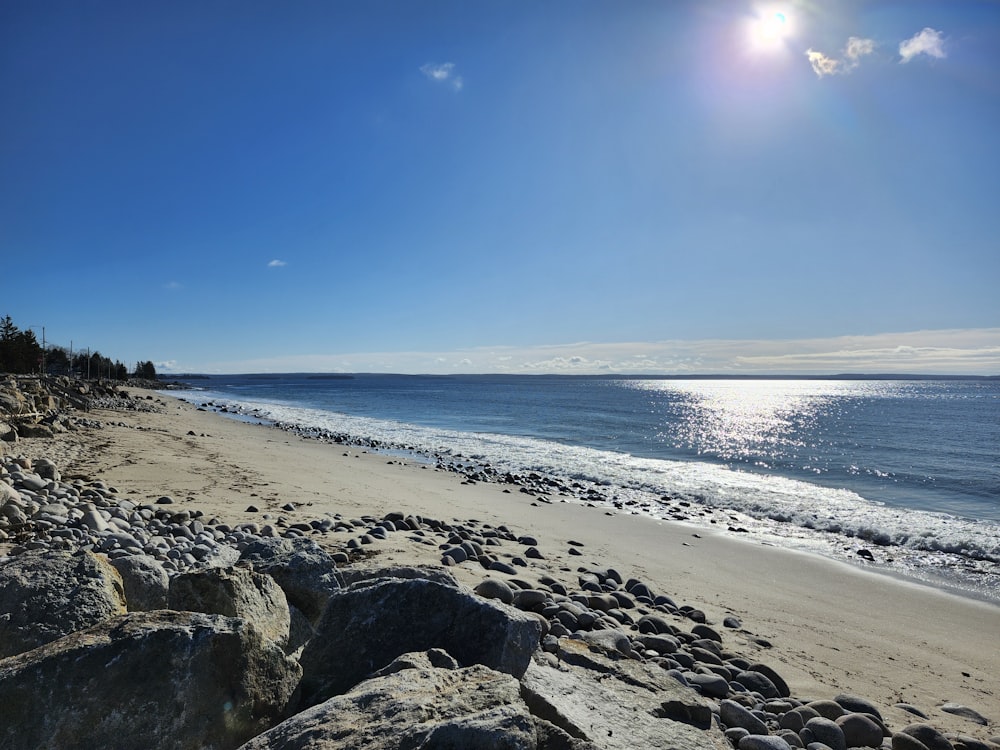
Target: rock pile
<point>42,407</point>
<point>152,627</point>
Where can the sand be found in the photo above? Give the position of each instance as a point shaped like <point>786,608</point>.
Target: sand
<point>833,628</point>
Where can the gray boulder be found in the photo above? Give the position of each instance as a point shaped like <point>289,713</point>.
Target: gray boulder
<point>145,581</point>
<point>365,627</point>
<point>355,575</point>
<point>473,708</point>
<point>304,571</point>
<point>618,703</point>
<point>235,592</point>
<point>170,680</point>
<point>45,595</point>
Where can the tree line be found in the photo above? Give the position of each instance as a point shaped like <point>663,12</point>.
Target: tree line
<point>21,354</point>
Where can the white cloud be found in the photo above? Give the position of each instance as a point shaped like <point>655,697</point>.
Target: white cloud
<point>172,285</point>
<point>169,365</point>
<point>276,263</point>
<point>443,73</point>
<point>959,352</point>
<point>857,48</point>
<point>927,42</point>
<point>821,64</point>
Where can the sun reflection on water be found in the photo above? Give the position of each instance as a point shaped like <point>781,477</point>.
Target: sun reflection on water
<point>752,421</point>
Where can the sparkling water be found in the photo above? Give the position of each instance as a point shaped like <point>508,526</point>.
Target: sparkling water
<point>905,472</point>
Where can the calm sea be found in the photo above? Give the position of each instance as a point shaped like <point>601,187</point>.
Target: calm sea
<point>907,470</point>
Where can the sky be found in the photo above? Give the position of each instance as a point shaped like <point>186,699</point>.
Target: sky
<point>569,186</point>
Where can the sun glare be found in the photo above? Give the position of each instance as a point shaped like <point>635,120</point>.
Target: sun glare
<point>768,30</point>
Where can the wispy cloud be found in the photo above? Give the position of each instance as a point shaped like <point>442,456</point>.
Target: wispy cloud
<point>443,73</point>
<point>927,42</point>
<point>853,52</point>
<point>960,352</point>
<point>277,264</point>
<point>172,285</point>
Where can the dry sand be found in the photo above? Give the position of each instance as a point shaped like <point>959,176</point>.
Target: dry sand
<point>833,627</point>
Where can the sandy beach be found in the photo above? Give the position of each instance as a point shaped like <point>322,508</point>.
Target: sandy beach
<point>827,627</point>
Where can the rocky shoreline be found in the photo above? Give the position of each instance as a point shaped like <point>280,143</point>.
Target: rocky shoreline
<point>151,625</point>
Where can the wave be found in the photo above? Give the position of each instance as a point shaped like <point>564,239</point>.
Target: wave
<point>759,496</point>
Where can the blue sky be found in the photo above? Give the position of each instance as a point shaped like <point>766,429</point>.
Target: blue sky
<point>485,186</point>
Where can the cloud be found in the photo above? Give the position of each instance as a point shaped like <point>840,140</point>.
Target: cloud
<point>171,285</point>
<point>948,352</point>
<point>927,42</point>
<point>443,73</point>
<point>821,64</point>
<point>276,264</point>
<point>857,48</point>
<point>166,366</point>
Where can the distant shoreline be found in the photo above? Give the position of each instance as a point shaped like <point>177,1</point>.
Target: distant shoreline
<point>609,376</point>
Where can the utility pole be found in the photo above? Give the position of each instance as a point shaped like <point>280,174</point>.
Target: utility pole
<point>43,351</point>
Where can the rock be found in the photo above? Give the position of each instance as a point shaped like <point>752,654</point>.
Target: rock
<point>860,731</point>
<point>927,735</point>
<point>171,680</point>
<point>612,641</point>
<point>857,704</point>
<point>759,683</point>
<point>735,715</point>
<point>776,679</point>
<point>758,742</point>
<point>965,712</point>
<point>145,582</point>
<point>355,575</point>
<point>825,731</point>
<point>474,707</point>
<point>45,595</point>
<point>303,570</point>
<point>902,741</point>
<point>365,627</point>
<point>235,592</point>
<point>618,704</point>
<point>827,709</point>
<point>35,431</point>
<point>491,588</point>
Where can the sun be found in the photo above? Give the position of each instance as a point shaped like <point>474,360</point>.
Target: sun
<point>768,29</point>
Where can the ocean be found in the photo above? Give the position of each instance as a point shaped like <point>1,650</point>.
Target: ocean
<point>901,476</point>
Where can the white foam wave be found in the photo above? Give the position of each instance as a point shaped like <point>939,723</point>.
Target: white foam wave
<point>778,500</point>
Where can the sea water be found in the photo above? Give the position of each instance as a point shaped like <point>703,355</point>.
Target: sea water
<point>904,472</point>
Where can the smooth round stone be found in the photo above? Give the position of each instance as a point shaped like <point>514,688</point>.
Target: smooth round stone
<point>758,683</point>
<point>860,731</point>
<point>774,677</point>
<point>735,715</point>
<point>825,731</point>
<point>827,709</point>
<point>790,737</point>
<point>709,684</point>
<point>492,588</point>
<point>761,742</point>
<point>796,718</point>
<point>902,741</point>
<point>529,598</point>
<point>502,567</point>
<point>928,735</point>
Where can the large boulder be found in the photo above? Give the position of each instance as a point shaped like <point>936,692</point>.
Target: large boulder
<point>169,680</point>
<point>473,708</point>
<point>235,592</point>
<point>304,571</point>
<point>365,627</point>
<point>145,580</point>
<point>45,595</point>
<point>618,703</point>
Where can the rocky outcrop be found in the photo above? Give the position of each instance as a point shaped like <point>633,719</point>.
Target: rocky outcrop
<point>304,571</point>
<point>475,708</point>
<point>145,580</point>
<point>45,595</point>
<point>617,703</point>
<point>235,592</point>
<point>170,680</point>
<point>365,627</point>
